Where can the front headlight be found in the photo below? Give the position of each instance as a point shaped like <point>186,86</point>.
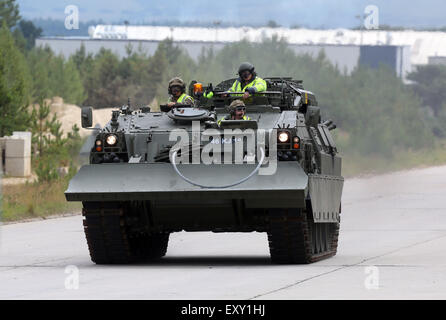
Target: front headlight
<point>111,140</point>
<point>283,137</point>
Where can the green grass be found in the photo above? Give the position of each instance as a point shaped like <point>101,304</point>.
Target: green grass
<point>34,200</point>
<point>354,164</point>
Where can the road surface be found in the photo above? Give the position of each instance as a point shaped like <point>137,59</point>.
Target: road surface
<point>392,246</point>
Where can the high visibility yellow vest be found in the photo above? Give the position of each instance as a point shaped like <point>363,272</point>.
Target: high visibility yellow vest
<point>183,99</point>
<point>258,83</point>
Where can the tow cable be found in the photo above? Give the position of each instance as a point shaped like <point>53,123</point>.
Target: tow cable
<point>173,156</point>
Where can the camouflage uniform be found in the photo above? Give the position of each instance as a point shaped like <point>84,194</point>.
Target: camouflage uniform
<point>184,98</point>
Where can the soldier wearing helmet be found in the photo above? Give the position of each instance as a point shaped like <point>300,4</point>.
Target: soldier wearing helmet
<point>237,111</point>
<point>177,89</point>
<point>248,82</point>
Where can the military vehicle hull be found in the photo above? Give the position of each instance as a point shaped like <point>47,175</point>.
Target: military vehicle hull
<point>134,194</point>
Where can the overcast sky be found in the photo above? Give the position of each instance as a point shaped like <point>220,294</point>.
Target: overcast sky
<point>308,13</point>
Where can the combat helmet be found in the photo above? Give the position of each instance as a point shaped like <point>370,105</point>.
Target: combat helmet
<point>234,104</point>
<point>246,66</point>
<point>177,82</point>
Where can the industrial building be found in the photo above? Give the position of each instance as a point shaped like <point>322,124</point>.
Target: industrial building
<point>400,50</point>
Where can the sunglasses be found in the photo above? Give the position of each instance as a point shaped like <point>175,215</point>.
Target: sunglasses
<point>240,109</point>
<point>246,74</point>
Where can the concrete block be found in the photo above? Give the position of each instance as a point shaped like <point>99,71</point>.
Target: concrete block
<point>23,134</point>
<point>27,137</point>
<point>18,167</point>
<point>16,148</point>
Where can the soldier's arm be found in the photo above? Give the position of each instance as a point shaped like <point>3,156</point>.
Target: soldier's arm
<point>259,86</point>
<point>234,86</point>
<point>170,102</point>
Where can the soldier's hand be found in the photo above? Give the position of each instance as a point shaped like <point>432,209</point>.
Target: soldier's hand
<point>171,104</point>
<point>246,95</point>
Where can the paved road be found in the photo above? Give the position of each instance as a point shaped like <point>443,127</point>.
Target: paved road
<point>392,245</point>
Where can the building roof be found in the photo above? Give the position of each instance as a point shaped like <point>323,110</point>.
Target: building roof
<point>423,44</point>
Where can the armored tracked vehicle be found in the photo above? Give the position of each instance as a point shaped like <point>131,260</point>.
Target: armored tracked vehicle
<point>150,175</point>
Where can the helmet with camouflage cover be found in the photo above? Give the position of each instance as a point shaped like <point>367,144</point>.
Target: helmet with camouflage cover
<point>234,104</point>
<point>177,82</point>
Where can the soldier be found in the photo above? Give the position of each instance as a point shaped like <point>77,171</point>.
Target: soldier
<point>177,89</point>
<point>248,82</point>
<point>237,111</point>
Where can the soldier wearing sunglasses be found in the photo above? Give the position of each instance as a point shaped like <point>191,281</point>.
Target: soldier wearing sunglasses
<point>237,111</point>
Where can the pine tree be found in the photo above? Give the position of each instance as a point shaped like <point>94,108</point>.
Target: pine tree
<point>14,86</point>
<point>72,89</point>
<point>51,149</point>
<point>29,33</point>
<point>157,66</point>
<point>38,61</point>
<point>9,13</point>
<point>39,126</point>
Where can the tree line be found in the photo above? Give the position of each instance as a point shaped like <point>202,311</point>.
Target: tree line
<point>29,76</point>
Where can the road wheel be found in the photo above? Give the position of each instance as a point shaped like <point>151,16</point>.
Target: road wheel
<point>110,241</point>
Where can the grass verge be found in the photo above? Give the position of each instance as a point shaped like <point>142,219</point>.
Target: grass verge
<point>353,165</point>
<point>36,200</point>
